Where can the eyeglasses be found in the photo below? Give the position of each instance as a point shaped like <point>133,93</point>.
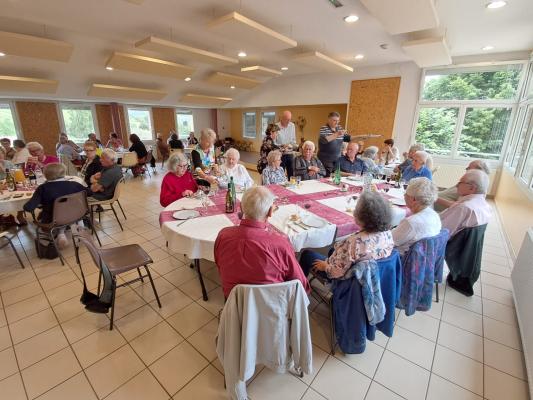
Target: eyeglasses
<point>182,166</point>
<point>464,183</point>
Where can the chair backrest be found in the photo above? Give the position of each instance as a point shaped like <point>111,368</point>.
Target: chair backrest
<point>118,189</point>
<point>84,236</point>
<point>70,209</point>
<point>464,251</point>
<point>129,159</point>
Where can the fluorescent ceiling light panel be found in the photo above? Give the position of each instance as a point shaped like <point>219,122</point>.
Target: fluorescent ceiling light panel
<point>125,92</point>
<point>183,51</point>
<point>401,16</point>
<point>16,44</point>
<point>223,79</point>
<point>24,84</point>
<point>261,72</point>
<point>246,31</point>
<point>148,65</point>
<point>322,62</point>
<point>191,98</point>
<point>430,52</point>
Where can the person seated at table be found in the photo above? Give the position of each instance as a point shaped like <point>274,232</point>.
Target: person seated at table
<point>203,157</point>
<point>138,147</point>
<point>307,165</point>
<point>92,137</point>
<point>424,222</point>
<point>389,153</point>
<point>271,133</point>
<point>373,240</point>
<point>38,159</point>
<point>92,163</point>
<point>274,173</point>
<point>250,253</point>
<point>349,163</point>
<point>103,183</point>
<point>68,148</point>
<point>4,164</point>
<point>232,168</point>
<point>45,195</point>
<point>191,141</point>
<point>114,143</point>
<point>417,168</point>
<point>449,196</point>
<point>471,209</point>
<point>409,156</point>
<point>9,151</point>
<point>369,157</point>
<point>21,152</point>
<point>175,143</point>
<point>178,182</point>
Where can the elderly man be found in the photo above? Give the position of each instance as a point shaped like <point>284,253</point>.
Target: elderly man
<point>250,253</point>
<point>418,168</point>
<point>68,148</point>
<point>103,183</point>
<point>449,196</point>
<point>286,141</point>
<point>92,137</point>
<point>330,141</point>
<point>409,156</point>
<point>349,163</point>
<point>10,151</point>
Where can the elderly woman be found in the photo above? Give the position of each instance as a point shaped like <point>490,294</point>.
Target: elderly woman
<point>203,156</point>
<point>178,182</point>
<point>424,222</point>
<point>268,145</point>
<point>114,142</point>
<point>273,174</point>
<point>232,168</point>
<point>21,152</point>
<point>37,157</point>
<point>369,158</point>
<point>417,168</point>
<point>68,148</point>
<point>372,241</point>
<point>307,165</point>
<point>92,163</point>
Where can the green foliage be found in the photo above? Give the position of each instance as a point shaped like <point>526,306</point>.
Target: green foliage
<point>185,125</point>
<point>7,126</point>
<point>435,129</point>
<point>78,123</point>
<point>140,124</point>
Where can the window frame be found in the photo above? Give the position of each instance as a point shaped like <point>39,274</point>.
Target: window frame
<point>62,125</point>
<point>179,111</point>
<point>15,118</point>
<point>261,121</point>
<point>244,127</point>
<point>127,107</point>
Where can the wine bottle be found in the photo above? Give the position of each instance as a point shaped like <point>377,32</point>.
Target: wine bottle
<point>230,200</point>
<point>10,181</point>
<point>32,177</point>
<point>233,192</point>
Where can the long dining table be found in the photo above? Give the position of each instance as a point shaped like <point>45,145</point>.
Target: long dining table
<point>313,214</point>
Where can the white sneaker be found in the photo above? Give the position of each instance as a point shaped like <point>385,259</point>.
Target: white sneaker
<point>62,240</point>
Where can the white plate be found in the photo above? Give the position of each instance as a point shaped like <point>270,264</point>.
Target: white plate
<point>313,221</point>
<point>186,214</point>
<point>353,178</point>
<point>397,201</point>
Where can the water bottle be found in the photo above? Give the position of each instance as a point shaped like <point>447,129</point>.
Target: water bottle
<point>367,181</point>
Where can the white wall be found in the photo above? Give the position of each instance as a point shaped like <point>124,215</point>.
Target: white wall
<point>202,119</point>
<point>329,88</point>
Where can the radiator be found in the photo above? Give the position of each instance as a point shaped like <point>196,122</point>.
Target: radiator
<point>522,279</point>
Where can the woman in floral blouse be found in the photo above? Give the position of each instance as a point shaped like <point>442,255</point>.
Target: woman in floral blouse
<point>373,241</point>
<point>274,174</point>
<point>267,146</point>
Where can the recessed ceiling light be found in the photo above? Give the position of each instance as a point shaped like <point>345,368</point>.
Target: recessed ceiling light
<point>187,79</point>
<point>109,68</point>
<point>351,18</point>
<point>496,4</point>
<point>2,54</point>
<point>359,56</point>
<point>284,68</point>
<point>488,47</point>
<point>241,54</point>
<point>232,87</point>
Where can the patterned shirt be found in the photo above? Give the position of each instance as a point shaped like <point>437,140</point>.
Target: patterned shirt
<point>330,151</point>
<point>356,247</point>
<point>267,146</point>
<point>273,176</point>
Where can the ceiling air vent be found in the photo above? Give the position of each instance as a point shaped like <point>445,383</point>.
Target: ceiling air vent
<point>335,3</point>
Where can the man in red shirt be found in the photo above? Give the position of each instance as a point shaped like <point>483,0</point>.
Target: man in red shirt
<point>252,254</point>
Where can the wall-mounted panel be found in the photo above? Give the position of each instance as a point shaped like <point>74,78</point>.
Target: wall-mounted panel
<point>39,122</point>
<point>164,120</point>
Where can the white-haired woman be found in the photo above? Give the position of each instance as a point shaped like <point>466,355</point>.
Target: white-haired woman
<point>273,173</point>
<point>37,157</point>
<point>424,222</point>
<point>369,158</point>
<point>418,168</point>
<point>232,168</point>
<point>178,182</point>
<point>203,156</point>
<point>307,165</point>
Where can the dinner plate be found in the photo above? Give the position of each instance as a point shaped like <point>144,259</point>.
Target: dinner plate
<point>397,201</point>
<point>313,221</point>
<point>186,214</point>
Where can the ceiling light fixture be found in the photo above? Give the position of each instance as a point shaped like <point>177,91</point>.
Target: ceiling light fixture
<point>493,5</point>
<point>488,47</point>
<point>232,87</point>
<point>188,79</point>
<point>241,54</point>
<point>284,68</point>
<point>109,68</point>
<point>351,18</point>
<point>359,57</point>
<point>2,54</point>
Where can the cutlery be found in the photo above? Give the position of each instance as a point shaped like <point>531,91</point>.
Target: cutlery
<point>302,225</point>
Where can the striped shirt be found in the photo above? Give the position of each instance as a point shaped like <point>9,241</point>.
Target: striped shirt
<point>330,151</point>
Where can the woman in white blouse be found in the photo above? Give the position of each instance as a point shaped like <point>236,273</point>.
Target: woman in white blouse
<point>232,168</point>
<point>424,222</point>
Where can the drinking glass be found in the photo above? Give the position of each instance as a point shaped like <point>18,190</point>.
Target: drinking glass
<point>298,180</point>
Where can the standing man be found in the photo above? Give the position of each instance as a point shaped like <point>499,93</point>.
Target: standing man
<point>330,141</point>
<point>286,140</point>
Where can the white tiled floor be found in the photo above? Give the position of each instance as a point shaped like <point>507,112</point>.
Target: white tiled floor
<point>51,348</point>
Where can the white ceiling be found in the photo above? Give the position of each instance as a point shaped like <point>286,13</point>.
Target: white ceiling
<point>96,28</point>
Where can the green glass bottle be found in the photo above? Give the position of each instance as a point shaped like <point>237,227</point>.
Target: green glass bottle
<point>337,176</point>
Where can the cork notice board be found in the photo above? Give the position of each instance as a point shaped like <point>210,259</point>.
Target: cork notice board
<point>372,108</point>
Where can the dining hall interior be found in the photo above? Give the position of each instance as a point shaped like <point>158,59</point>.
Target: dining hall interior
<point>297,200</point>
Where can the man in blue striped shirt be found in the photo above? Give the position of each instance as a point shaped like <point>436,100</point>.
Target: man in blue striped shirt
<point>330,141</point>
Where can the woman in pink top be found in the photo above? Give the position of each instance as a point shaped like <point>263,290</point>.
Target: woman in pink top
<point>178,182</point>
<point>38,159</point>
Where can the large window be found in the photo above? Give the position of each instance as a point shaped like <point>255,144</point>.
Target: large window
<point>185,123</point>
<point>466,112</point>
<point>140,122</point>
<point>7,122</point>
<point>249,126</point>
<point>267,117</point>
<point>78,121</point>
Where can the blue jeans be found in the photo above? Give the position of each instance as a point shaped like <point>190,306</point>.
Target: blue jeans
<point>307,258</point>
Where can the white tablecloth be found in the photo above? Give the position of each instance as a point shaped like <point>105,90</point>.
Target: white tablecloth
<point>311,186</point>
